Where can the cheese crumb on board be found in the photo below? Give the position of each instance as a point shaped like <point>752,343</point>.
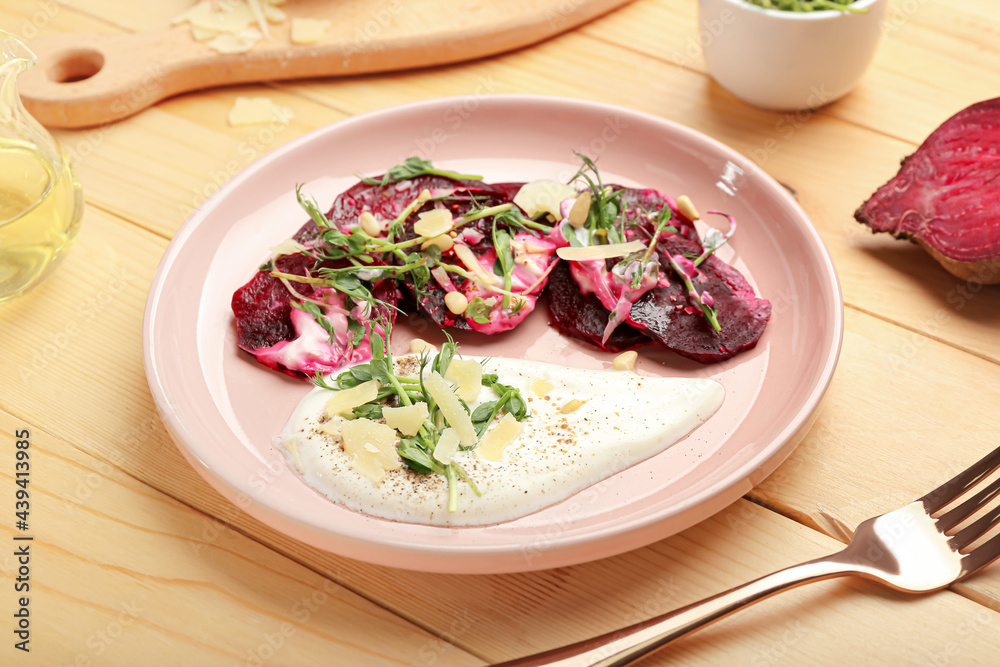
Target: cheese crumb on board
<point>257,111</point>
<point>308,31</point>
<point>229,24</point>
<point>190,15</point>
<point>273,14</point>
<point>203,34</point>
<point>241,42</point>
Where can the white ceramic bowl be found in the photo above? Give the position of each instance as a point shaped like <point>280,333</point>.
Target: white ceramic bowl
<point>785,60</point>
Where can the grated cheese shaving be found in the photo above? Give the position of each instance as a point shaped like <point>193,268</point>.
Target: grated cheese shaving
<point>497,438</point>
<point>586,253</point>
<point>464,253</point>
<point>308,31</point>
<point>257,111</point>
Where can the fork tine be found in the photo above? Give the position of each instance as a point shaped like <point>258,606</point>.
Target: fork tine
<point>981,556</point>
<point>976,529</point>
<point>955,516</point>
<point>962,482</point>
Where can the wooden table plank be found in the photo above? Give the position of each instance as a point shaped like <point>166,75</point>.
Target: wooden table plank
<point>121,574</point>
<point>871,451</point>
<point>157,167</point>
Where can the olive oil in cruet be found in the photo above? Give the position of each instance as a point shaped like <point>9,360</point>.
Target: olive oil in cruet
<point>40,198</point>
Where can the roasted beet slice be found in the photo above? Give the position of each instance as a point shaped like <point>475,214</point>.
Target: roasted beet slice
<point>667,314</point>
<point>946,196</point>
<point>477,236</point>
<point>285,338</point>
<point>510,190</point>
<point>638,200</point>
<point>386,202</point>
<point>582,316</point>
<point>263,306</point>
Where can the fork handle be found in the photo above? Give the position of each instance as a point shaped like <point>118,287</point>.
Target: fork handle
<point>622,647</point>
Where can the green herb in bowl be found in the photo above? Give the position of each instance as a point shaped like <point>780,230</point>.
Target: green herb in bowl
<point>807,5</point>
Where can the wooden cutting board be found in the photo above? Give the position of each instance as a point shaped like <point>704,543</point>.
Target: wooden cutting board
<point>86,79</point>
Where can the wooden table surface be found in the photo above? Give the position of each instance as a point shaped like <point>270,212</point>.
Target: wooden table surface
<point>138,561</point>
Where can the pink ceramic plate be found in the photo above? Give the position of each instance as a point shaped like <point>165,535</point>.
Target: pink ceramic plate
<point>223,409</point>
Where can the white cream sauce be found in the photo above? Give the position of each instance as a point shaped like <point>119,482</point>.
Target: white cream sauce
<point>625,418</point>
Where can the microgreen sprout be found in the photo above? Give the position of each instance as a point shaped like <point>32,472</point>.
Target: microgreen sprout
<point>413,167</point>
<point>686,269</point>
<point>809,5</point>
<point>417,451</point>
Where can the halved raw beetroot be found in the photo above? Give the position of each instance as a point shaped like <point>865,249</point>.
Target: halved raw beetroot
<point>668,315</point>
<point>946,195</point>
<point>582,316</point>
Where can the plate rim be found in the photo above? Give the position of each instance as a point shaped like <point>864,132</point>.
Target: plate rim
<point>558,552</point>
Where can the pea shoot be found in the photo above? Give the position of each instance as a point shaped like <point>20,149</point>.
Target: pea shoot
<point>808,5</point>
<point>417,451</point>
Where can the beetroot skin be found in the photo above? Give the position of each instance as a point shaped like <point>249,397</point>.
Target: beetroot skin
<point>946,195</point>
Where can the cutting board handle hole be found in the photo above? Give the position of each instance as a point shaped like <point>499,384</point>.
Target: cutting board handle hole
<point>76,65</point>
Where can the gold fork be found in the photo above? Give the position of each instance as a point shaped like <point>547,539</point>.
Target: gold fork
<point>914,549</point>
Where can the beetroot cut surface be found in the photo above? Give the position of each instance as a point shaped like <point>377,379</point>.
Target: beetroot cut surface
<point>947,194</point>
<point>668,315</point>
<point>582,316</point>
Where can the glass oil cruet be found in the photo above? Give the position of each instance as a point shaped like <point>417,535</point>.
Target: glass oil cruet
<point>40,198</point>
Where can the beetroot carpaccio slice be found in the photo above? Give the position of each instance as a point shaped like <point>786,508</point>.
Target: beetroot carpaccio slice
<point>946,196</point>
<point>386,202</point>
<point>582,316</point>
<point>531,264</point>
<point>639,200</point>
<point>668,315</point>
<point>288,339</point>
<point>476,235</point>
